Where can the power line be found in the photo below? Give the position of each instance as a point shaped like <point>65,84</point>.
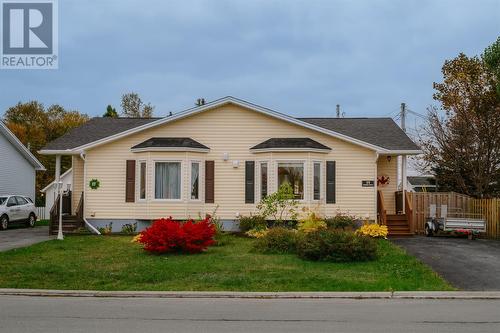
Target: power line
<point>416,114</point>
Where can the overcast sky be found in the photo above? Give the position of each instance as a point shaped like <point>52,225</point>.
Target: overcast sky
<point>297,57</point>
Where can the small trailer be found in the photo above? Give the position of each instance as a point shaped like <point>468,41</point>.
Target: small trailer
<point>470,224</point>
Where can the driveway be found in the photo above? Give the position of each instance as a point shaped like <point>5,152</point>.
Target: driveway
<point>15,238</point>
<point>467,265</point>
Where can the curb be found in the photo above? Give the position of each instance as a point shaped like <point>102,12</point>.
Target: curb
<point>464,295</point>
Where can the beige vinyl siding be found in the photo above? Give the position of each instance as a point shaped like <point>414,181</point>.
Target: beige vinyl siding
<point>77,187</point>
<point>390,169</point>
<point>234,130</point>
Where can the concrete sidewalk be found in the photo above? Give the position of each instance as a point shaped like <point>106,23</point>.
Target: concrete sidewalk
<point>255,295</point>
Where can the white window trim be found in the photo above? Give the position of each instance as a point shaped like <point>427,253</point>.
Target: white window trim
<point>306,169</point>
<point>321,173</point>
<point>200,174</point>
<point>182,180</point>
<point>259,179</point>
<point>138,181</point>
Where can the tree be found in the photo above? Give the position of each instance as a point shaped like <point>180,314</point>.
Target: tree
<point>133,106</point>
<point>35,126</point>
<point>491,57</point>
<point>110,112</point>
<point>461,141</point>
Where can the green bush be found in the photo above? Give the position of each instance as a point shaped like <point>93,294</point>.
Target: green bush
<point>277,240</point>
<point>336,246</point>
<point>341,221</point>
<point>252,222</point>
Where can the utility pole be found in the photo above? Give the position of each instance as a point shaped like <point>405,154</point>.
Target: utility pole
<point>403,116</point>
<point>338,110</point>
<point>403,157</point>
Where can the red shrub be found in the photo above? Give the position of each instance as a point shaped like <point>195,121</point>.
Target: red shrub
<point>166,235</point>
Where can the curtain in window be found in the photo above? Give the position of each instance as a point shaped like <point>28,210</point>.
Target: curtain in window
<point>168,180</point>
<point>195,172</point>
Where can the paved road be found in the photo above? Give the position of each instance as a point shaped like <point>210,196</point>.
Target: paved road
<point>15,238</point>
<point>468,265</point>
<point>88,314</point>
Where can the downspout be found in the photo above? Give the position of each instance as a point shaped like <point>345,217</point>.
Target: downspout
<point>87,223</point>
<point>375,185</point>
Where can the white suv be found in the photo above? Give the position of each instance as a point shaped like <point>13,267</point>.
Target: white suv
<point>15,209</point>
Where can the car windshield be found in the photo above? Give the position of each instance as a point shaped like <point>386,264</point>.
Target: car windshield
<point>2,200</point>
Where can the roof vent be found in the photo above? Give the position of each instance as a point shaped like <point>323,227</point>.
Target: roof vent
<point>200,102</point>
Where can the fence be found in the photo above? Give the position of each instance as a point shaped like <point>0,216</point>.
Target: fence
<point>422,200</point>
<point>489,209</point>
<point>40,213</point>
<point>457,204</point>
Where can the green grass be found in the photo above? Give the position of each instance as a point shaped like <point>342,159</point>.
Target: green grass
<point>42,223</point>
<point>113,263</point>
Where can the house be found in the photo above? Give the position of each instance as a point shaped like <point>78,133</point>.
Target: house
<point>224,156</point>
<point>421,184</point>
<point>18,166</point>
<point>51,192</point>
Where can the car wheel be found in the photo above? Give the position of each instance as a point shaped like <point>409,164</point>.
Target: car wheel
<point>428,231</point>
<point>4,222</point>
<point>31,220</point>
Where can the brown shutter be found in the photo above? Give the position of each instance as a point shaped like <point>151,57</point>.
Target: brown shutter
<point>249,182</point>
<point>209,181</point>
<point>330,182</point>
<point>130,182</point>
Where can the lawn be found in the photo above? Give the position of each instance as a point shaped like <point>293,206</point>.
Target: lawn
<point>114,263</point>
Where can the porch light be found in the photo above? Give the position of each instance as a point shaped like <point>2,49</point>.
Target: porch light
<point>236,164</point>
<point>225,156</point>
<point>389,158</point>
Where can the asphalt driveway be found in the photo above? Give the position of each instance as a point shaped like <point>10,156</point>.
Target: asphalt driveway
<point>16,238</point>
<point>467,265</point>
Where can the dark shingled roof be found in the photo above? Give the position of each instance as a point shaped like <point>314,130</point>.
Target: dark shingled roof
<point>299,143</point>
<point>95,129</point>
<point>422,180</point>
<point>382,132</point>
<point>170,143</point>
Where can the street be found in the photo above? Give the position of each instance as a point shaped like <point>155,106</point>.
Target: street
<point>98,314</point>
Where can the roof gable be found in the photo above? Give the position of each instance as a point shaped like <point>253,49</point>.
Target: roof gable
<point>86,136</point>
<point>20,147</point>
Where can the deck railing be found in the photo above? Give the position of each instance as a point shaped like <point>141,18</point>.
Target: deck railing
<point>409,211</point>
<point>381,211</point>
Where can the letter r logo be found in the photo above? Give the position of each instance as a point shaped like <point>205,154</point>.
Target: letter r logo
<point>27,28</point>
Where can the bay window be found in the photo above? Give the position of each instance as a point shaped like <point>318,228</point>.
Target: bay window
<point>293,174</point>
<point>195,180</point>
<point>168,180</point>
<point>316,180</point>
<point>142,180</point>
<point>263,180</point>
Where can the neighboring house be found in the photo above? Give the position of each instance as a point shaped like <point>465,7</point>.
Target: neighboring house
<point>226,155</point>
<point>17,165</point>
<point>50,191</point>
<point>421,184</point>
